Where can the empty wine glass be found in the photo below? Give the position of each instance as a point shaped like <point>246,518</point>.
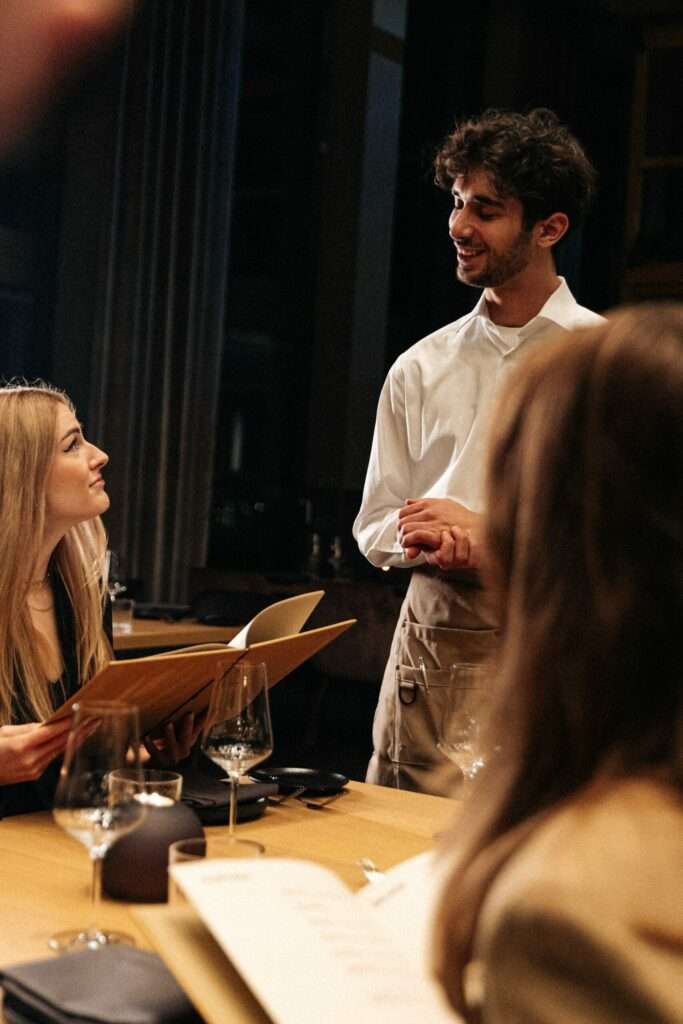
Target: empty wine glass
<point>463,713</point>
<point>104,737</point>
<point>238,733</point>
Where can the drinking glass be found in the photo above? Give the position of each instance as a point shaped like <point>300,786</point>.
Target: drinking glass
<point>214,848</point>
<point>154,787</point>
<point>122,612</point>
<point>238,733</point>
<point>104,737</point>
<point>461,725</point>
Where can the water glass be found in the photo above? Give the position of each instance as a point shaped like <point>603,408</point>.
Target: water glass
<point>215,848</point>
<point>122,609</point>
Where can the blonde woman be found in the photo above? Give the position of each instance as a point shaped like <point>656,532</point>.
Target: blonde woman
<point>52,587</point>
<point>564,905</point>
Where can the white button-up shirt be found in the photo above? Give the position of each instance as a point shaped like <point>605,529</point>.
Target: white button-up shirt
<point>433,416</point>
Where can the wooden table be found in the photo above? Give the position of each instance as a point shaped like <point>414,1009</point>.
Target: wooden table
<point>45,873</point>
<point>152,634</point>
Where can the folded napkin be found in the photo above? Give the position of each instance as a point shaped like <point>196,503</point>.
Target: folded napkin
<point>114,985</point>
<point>207,792</point>
<point>217,794</point>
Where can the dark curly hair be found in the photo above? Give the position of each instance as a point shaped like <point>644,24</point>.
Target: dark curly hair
<point>531,156</point>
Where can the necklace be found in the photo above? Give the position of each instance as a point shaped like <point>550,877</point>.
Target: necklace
<point>47,608</point>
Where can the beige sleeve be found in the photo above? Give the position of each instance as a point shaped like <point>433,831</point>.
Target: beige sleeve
<point>553,965</point>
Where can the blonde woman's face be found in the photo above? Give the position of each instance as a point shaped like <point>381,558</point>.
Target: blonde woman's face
<point>75,487</point>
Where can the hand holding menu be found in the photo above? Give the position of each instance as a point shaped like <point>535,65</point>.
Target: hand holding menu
<point>311,951</point>
<point>166,686</point>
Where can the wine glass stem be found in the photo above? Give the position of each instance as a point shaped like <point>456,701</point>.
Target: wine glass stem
<point>234,782</point>
<point>95,891</point>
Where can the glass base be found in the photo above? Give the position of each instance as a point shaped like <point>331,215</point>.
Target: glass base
<point>76,941</point>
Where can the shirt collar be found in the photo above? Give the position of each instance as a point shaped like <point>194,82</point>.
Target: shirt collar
<point>558,308</point>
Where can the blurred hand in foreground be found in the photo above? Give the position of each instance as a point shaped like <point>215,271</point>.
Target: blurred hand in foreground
<point>41,43</point>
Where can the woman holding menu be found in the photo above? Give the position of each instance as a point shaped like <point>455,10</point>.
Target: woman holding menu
<point>52,587</point>
<point>564,905</point>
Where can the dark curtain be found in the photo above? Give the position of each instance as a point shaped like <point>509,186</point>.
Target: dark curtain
<point>154,318</point>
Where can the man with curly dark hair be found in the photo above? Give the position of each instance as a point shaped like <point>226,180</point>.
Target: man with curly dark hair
<point>520,183</point>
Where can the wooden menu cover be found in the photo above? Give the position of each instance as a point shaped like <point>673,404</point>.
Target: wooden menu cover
<point>164,687</point>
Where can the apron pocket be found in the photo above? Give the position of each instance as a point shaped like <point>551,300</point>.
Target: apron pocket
<point>422,679</point>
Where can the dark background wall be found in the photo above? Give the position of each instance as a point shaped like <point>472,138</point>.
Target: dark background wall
<point>338,255</point>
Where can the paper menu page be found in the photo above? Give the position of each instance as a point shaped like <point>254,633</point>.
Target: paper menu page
<point>306,947</point>
<point>404,900</point>
<point>277,620</point>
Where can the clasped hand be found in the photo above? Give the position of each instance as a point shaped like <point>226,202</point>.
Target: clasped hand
<point>441,529</point>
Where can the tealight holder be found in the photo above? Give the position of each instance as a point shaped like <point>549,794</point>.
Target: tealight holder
<point>136,867</point>
<point>153,787</point>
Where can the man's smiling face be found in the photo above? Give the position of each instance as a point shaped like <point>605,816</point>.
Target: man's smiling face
<point>488,232</point>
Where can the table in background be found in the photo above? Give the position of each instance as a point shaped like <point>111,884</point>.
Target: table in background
<point>361,653</point>
<point>153,634</point>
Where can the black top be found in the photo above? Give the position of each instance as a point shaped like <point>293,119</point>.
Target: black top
<point>23,797</point>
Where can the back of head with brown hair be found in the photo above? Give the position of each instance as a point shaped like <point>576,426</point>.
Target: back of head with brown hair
<point>585,547</point>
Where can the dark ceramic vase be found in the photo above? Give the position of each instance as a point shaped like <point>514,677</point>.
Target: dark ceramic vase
<point>136,867</point>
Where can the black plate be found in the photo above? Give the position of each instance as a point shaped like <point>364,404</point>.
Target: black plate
<point>251,809</point>
<point>317,782</point>
<point>218,814</point>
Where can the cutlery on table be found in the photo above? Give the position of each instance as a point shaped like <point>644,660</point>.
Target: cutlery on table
<point>319,804</point>
<point>280,798</point>
<point>370,870</point>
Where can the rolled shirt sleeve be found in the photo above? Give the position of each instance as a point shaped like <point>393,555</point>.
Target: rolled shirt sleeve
<point>388,479</point>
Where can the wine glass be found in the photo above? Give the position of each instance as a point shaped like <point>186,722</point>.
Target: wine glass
<point>461,725</point>
<point>238,733</point>
<point>114,574</point>
<point>104,737</point>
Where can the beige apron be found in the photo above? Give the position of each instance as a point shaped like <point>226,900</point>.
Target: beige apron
<point>443,620</point>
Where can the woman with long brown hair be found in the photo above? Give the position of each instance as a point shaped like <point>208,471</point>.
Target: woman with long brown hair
<point>564,904</point>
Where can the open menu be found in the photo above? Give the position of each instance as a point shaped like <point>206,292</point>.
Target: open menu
<point>166,686</point>
<point>306,947</point>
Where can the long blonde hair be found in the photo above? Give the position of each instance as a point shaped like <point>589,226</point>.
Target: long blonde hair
<point>28,417</point>
<point>585,541</point>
